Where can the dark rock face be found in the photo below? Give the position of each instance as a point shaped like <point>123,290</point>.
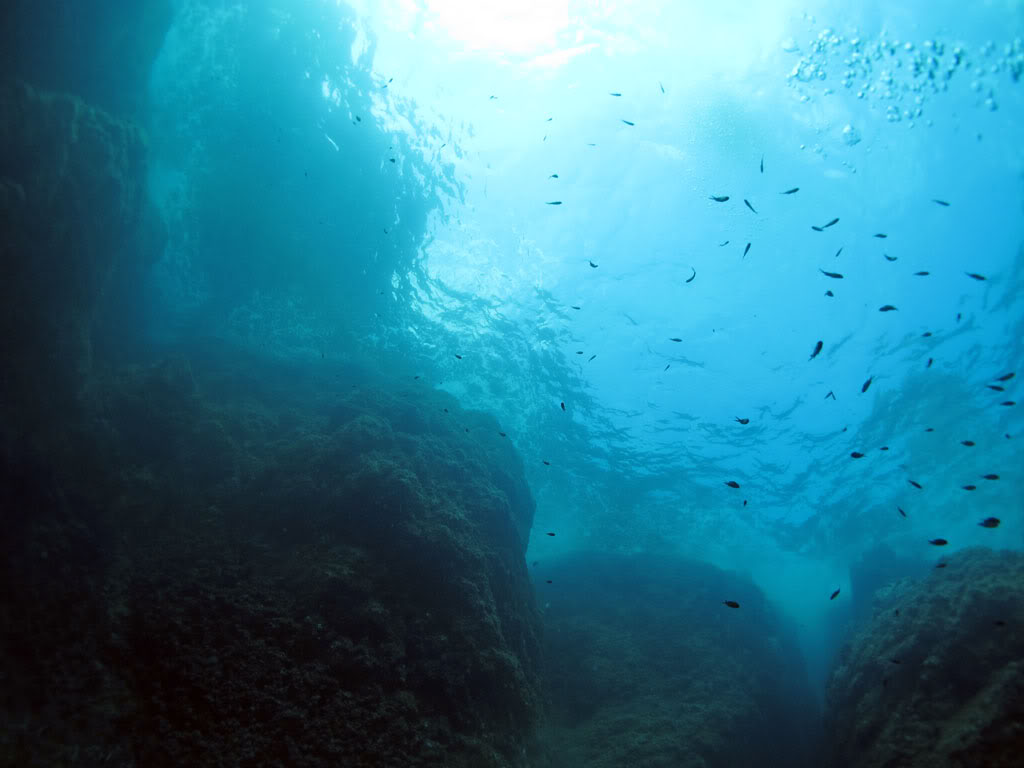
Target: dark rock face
<point>300,578</point>
<point>937,677</point>
<point>75,218</point>
<point>100,50</point>
<point>645,666</point>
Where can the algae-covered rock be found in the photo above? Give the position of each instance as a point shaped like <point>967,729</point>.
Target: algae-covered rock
<point>936,678</point>
<point>268,569</point>
<point>645,666</point>
<point>76,220</point>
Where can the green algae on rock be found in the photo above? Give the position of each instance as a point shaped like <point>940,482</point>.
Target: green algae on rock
<point>936,679</point>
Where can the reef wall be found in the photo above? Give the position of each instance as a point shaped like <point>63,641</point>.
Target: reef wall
<point>936,678</point>
<point>326,571</point>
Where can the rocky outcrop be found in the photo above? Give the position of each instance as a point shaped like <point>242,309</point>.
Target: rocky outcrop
<point>645,666</point>
<point>75,219</point>
<point>936,678</point>
<point>328,571</point>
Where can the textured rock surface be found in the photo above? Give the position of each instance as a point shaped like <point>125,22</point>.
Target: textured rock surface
<point>937,677</point>
<point>644,666</point>
<point>326,572</point>
<point>75,219</point>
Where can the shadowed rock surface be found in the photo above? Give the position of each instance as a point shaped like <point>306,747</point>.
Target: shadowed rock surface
<point>936,678</point>
<point>646,667</point>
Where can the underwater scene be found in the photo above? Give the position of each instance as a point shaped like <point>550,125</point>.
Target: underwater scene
<point>512,384</point>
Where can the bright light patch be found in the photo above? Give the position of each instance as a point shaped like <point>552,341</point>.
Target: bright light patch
<point>518,27</point>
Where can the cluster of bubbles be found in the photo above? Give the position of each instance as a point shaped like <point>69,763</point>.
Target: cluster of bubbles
<point>898,74</point>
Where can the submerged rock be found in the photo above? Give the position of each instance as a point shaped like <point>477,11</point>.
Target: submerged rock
<point>936,679</point>
<point>308,573</point>
<point>644,666</point>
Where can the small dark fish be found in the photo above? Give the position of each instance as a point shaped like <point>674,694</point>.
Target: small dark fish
<point>503,434</point>
<point>592,264</point>
<point>614,94</point>
<point>996,387</point>
<point>929,363</point>
<point>549,120</point>
<point>837,253</point>
<point>991,477</point>
<point>926,334</point>
<point>746,250</point>
<point>969,487</point>
<point>921,274</point>
<point>817,349</point>
<point>881,236</point>
<point>563,406</point>
<point>591,358</point>
<point>867,384</point>
<point>742,421</point>
<point>720,245</point>
<point>1006,377</point>
<point>834,595</point>
<point>857,455</point>
<point>391,159</point>
<point>573,306</point>
<point>975,275</point>
<point>548,581</point>
<point>830,394</point>
<point>990,522</point>
<point>675,339</point>
<point>968,443</point>
<point>747,203</point>
<point>958,316</point>
<point>628,123</point>
<point>458,356</point>
<point>895,661</point>
<point>691,277</point>
<point>550,533</point>
<point>744,502</point>
<point>732,483</point>
<point>545,463</point>
<point>831,223</point>
<point>900,510</point>
<point>999,623</point>
<point>719,199</point>
<point>884,448</point>
<point>553,176</point>
<point>731,603</point>
<point>941,565</point>
<point>1008,402</point>
<point>817,229</point>
<point>943,203</point>
<point>887,308</point>
<point>829,293</point>
<point>890,258</point>
<point>762,163</point>
<point>579,351</point>
<point>492,98</point>
<point>554,202</point>
<point>915,484</point>
<point>663,90</point>
<point>930,429</point>
<point>792,191</point>
<point>938,542</point>
<point>834,275</point>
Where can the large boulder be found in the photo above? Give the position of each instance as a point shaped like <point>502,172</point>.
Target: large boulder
<point>325,571</point>
<point>645,666</point>
<point>936,678</point>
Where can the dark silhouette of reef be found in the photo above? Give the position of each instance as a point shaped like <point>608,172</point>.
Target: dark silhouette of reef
<point>936,678</point>
<point>209,557</point>
<point>644,666</point>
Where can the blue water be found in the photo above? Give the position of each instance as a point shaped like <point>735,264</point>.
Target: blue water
<point>373,184</point>
<point>873,112</point>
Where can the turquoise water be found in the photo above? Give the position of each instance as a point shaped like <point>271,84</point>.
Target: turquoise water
<point>874,113</point>
<point>513,204</point>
